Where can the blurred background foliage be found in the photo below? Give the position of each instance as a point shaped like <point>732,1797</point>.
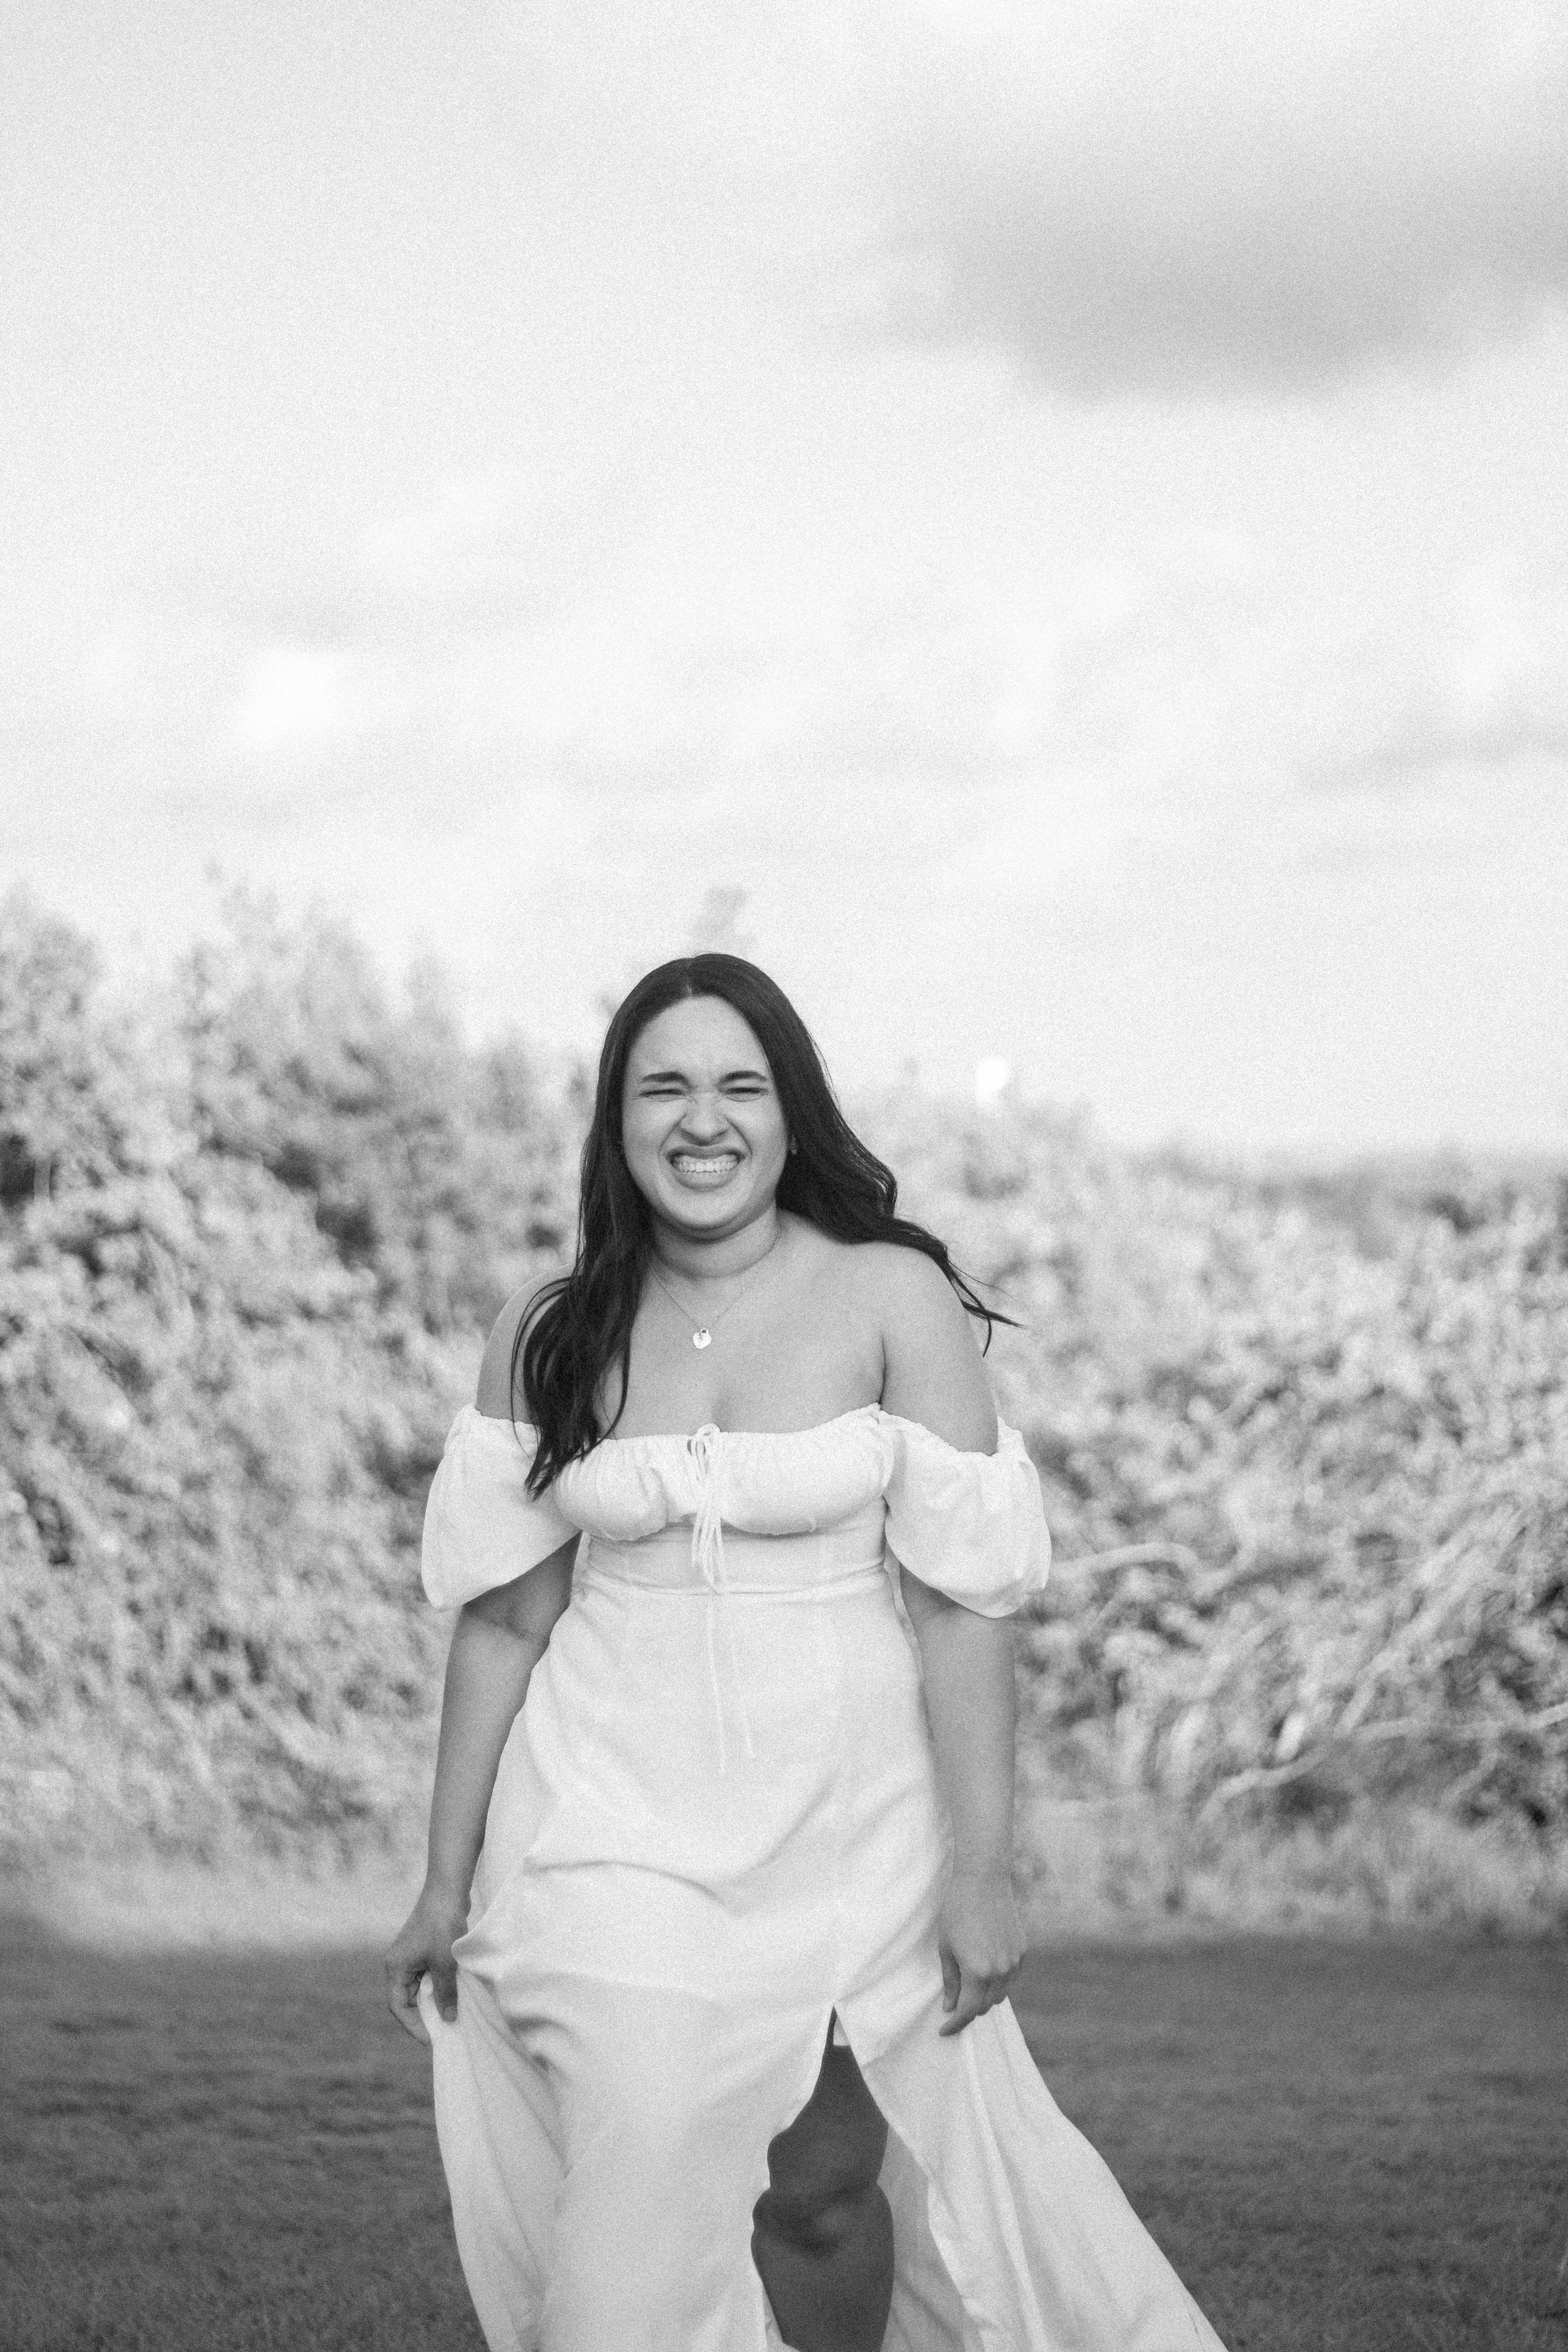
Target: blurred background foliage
<point>1304,1437</point>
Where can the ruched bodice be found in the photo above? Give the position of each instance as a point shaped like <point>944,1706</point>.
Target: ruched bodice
<point>774,1483</point>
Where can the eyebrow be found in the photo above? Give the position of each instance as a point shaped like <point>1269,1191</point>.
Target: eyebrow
<point>649,1077</point>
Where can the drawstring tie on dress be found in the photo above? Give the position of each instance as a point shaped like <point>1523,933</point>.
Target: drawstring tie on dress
<point>707,1559</point>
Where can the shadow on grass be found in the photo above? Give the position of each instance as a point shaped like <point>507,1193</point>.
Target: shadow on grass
<point>1351,2145</point>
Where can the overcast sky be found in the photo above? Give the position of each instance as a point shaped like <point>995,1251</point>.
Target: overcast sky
<point>1063,506</point>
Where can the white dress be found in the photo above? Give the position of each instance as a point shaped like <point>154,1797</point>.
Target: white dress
<point>716,1824</point>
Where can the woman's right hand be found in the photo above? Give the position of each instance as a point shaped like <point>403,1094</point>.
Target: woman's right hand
<point>423,1946</point>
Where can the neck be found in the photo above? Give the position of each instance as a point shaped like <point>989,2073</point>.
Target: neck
<point>712,1257</point>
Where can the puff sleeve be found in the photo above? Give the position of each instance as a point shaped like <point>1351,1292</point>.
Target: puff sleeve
<point>482,1527</point>
<point>971,1524</point>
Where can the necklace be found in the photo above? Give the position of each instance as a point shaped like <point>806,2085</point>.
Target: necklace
<point>702,1333</point>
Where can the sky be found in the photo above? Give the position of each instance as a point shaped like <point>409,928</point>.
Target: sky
<point>1062,507</point>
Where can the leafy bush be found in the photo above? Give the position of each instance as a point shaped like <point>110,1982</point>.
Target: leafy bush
<point>1304,1437</point>
<point>249,1240</point>
<point>1305,1452</point>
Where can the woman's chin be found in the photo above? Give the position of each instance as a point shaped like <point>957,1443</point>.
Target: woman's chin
<point>706,1208</point>
<point>704,1213</point>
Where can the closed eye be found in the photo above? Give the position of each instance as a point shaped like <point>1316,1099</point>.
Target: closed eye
<point>670,1082</point>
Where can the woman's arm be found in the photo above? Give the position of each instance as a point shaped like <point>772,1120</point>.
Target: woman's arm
<point>967,1665</point>
<point>968,1662</point>
<point>932,1374</point>
<point>499,1638</point>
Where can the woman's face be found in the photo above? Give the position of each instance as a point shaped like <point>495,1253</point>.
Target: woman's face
<point>701,1126</point>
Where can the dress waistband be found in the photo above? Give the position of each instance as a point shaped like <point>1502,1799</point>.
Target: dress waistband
<point>843,1559</point>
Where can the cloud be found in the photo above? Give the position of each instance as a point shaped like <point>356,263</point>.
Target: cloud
<point>1221,198</point>
<point>293,696</point>
<point>1445,744</point>
<point>1482,694</point>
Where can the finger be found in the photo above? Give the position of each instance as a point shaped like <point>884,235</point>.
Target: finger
<point>968,2009</point>
<point>443,1985</point>
<point>951,1977</point>
<point>980,1993</point>
<point>403,2000</point>
<point>960,1998</point>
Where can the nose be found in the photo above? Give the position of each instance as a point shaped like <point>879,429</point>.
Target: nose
<point>704,1117</point>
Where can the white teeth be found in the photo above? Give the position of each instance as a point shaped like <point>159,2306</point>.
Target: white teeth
<point>692,1166</point>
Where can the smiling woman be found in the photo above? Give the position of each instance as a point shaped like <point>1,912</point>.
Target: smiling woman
<point>715,1141</point>
<point>715,1942</point>
<point>708,1131</point>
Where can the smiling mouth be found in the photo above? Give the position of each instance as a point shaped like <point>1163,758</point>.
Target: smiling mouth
<point>692,1163</point>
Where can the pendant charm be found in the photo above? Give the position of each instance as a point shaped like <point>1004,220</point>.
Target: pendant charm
<point>703,1338</point>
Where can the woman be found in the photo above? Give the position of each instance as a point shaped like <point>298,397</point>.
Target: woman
<point>716,1934</point>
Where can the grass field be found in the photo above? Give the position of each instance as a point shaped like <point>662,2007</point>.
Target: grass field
<point>1342,2145</point>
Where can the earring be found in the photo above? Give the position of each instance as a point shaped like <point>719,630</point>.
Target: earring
<point>794,1145</point>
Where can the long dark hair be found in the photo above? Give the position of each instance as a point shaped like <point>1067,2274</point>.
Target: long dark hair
<point>580,1324</point>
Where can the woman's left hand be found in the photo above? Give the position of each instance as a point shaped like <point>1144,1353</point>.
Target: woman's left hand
<point>980,1944</point>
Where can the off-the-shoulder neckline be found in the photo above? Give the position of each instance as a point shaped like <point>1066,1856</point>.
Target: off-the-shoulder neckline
<point>685,1436</point>
<point>812,1429</point>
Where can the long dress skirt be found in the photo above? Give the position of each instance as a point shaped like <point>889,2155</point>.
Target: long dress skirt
<point>670,1907</point>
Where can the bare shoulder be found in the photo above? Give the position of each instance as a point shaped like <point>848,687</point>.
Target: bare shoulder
<point>902,1283</point>
<point>932,1371</point>
<point>494,1396</point>
<point>885,1281</point>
